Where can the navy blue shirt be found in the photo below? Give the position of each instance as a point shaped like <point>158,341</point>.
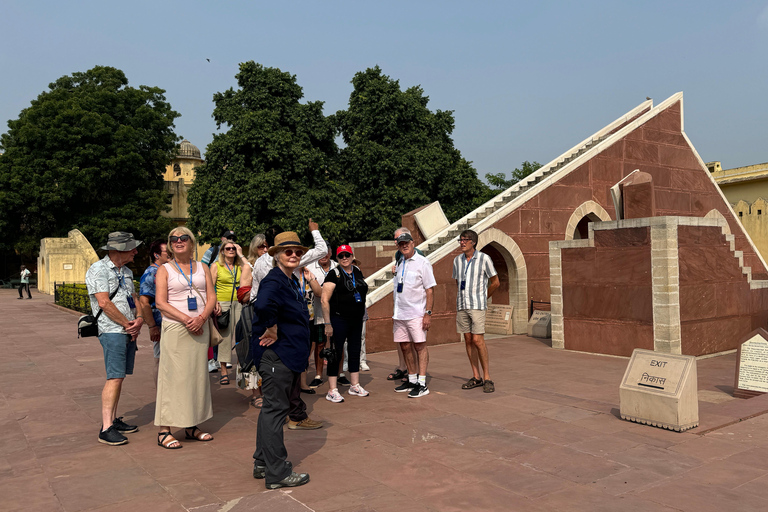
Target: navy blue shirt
<point>280,301</point>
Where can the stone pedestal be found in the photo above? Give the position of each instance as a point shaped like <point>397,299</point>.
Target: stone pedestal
<point>540,324</point>
<point>752,365</point>
<point>660,390</point>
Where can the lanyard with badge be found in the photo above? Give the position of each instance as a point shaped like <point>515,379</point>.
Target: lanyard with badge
<point>356,295</point>
<point>121,284</point>
<point>402,275</point>
<point>191,300</point>
<point>233,273</point>
<point>466,269</point>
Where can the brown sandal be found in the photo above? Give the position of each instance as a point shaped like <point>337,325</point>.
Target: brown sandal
<point>472,383</point>
<point>488,387</point>
<point>161,441</point>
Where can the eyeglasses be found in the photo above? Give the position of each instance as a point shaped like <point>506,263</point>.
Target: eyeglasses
<point>230,249</point>
<point>290,252</point>
<point>464,240</point>
<point>182,238</point>
<point>344,255</point>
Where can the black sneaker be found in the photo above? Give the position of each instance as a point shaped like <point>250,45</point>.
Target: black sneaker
<point>418,391</point>
<point>112,437</point>
<point>123,427</point>
<point>405,386</point>
<point>292,480</point>
<point>316,383</point>
<point>343,380</point>
<point>259,472</point>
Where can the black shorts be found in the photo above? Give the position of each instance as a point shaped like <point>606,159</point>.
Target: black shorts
<point>318,334</point>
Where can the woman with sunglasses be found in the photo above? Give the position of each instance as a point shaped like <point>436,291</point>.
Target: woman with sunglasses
<point>280,344</point>
<point>343,301</point>
<point>226,274</point>
<point>186,298</point>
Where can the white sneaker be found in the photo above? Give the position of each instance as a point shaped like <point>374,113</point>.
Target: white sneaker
<point>358,390</point>
<point>334,396</point>
<point>218,364</point>
<point>364,367</point>
<point>211,366</point>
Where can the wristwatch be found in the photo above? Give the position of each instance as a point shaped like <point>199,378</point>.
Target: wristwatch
<point>429,312</point>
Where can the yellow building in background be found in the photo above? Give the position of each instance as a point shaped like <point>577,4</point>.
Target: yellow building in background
<point>179,176</point>
<point>746,188</point>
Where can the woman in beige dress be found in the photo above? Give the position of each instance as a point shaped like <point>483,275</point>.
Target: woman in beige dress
<point>186,298</point>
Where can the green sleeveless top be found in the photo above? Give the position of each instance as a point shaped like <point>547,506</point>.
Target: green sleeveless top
<point>225,278</point>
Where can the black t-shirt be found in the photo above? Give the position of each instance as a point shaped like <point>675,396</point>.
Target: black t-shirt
<point>343,301</point>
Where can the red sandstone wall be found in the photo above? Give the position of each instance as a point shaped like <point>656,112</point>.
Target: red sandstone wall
<point>717,308</point>
<point>607,294</point>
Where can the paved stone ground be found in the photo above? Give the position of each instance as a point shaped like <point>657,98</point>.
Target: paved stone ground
<point>548,439</point>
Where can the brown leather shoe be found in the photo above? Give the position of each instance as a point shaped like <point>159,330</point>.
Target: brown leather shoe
<point>305,424</point>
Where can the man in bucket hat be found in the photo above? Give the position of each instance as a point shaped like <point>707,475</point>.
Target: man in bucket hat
<point>110,289</point>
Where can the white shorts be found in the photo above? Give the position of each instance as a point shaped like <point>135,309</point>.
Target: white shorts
<point>409,330</point>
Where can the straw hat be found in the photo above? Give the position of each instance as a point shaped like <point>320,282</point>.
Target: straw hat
<point>286,240</point>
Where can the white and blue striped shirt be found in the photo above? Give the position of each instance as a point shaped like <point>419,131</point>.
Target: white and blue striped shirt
<point>476,272</point>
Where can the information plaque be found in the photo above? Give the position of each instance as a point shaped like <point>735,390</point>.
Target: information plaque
<point>752,365</point>
<point>540,324</point>
<point>498,319</point>
<point>660,390</point>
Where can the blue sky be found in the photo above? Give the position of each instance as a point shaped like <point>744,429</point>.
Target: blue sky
<point>526,80</point>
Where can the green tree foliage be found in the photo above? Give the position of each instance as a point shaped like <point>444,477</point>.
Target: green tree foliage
<point>399,155</point>
<point>273,164</point>
<point>499,181</point>
<point>89,153</point>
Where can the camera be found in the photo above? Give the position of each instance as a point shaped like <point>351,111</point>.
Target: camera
<point>329,355</point>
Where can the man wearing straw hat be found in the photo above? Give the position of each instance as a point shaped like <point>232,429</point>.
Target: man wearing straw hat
<point>110,289</point>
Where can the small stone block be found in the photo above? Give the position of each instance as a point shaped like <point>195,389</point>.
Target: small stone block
<point>660,390</point>
<point>540,324</point>
<point>752,365</point>
<point>498,319</point>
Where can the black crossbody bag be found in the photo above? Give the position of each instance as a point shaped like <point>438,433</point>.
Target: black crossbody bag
<point>88,325</point>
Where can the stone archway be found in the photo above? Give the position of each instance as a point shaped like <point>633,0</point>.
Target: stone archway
<point>715,214</point>
<point>578,225</point>
<point>513,274</point>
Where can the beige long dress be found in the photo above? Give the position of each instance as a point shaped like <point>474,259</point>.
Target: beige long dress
<point>183,387</point>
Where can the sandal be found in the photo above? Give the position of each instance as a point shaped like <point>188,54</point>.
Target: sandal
<point>197,434</point>
<point>161,441</point>
<point>474,383</point>
<point>224,380</point>
<point>397,374</point>
<point>488,387</point>
<point>257,402</point>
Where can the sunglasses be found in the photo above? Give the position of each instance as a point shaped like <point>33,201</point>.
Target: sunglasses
<point>345,255</point>
<point>290,252</point>
<point>182,238</point>
<point>263,246</point>
<point>230,249</point>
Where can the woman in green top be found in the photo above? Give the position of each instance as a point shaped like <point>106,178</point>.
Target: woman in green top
<point>226,276</point>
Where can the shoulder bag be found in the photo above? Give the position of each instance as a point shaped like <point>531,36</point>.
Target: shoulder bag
<point>213,333</point>
<point>223,319</point>
<point>88,325</point>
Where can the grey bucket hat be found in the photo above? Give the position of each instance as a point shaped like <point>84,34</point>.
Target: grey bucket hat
<point>121,241</point>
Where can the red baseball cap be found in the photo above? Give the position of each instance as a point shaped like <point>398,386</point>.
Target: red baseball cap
<point>344,248</point>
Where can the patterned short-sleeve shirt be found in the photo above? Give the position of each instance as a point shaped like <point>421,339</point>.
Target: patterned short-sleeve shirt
<point>104,276</point>
<point>475,273</point>
<point>147,288</point>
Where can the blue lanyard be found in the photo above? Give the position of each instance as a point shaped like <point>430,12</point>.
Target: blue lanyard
<point>354,285</point>
<point>185,276</point>
<point>402,274</point>
<point>231,271</point>
<point>466,268</point>
<point>120,279</point>
<point>294,287</point>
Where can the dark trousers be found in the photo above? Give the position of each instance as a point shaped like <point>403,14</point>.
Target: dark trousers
<point>277,381</point>
<point>22,287</point>
<point>298,410</point>
<point>351,331</point>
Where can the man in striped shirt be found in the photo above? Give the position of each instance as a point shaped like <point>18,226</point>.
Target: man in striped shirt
<point>477,279</point>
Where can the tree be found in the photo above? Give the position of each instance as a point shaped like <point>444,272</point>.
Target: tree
<point>273,164</point>
<point>499,181</point>
<point>90,154</point>
<point>399,155</point>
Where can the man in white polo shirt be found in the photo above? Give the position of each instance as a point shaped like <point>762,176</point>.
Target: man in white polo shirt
<point>413,297</point>
<point>477,279</point>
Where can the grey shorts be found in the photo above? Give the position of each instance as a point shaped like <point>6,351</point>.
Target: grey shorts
<point>119,354</point>
<point>470,320</point>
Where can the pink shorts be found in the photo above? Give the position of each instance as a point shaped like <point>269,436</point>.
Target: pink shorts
<point>409,330</point>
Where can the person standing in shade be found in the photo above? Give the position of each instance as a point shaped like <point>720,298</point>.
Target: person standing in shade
<point>477,279</point>
<point>280,345</point>
<point>344,292</point>
<point>24,284</point>
<point>226,272</point>
<point>158,254</point>
<point>110,290</point>
<point>413,298</point>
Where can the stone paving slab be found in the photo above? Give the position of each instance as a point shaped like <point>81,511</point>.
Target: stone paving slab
<point>548,439</point>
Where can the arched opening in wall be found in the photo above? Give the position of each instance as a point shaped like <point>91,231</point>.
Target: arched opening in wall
<point>501,295</point>
<point>581,232</point>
